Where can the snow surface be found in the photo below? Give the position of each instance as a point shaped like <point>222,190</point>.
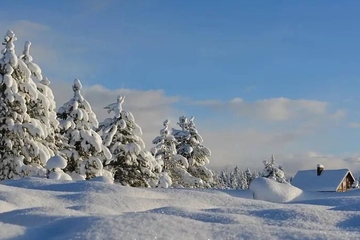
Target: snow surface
<point>37,208</point>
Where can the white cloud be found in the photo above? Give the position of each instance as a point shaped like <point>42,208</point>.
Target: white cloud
<point>236,101</point>
<point>247,147</point>
<point>213,103</point>
<point>277,109</point>
<point>280,109</point>
<point>354,125</point>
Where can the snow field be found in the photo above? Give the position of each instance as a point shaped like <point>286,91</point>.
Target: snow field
<point>37,208</point>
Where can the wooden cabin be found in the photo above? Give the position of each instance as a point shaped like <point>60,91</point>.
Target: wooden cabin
<point>323,180</point>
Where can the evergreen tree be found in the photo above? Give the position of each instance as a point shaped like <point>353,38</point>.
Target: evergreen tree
<point>217,183</point>
<point>22,149</point>
<point>243,181</point>
<point>78,121</point>
<point>234,179</point>
<point>220,179</point>
<point>165,148</point>
<point>175,165</point>
<point>190,146</point>
<point>132,164</point>
<point>249,176</point>
<point>42,108</point>
<point>225,179</point>
<point>276,173</point>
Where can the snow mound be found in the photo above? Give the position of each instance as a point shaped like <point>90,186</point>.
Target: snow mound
<point>269,190</point>
<point>76,177</point>
<point>104,179</point>
<point>59,175</point>
<point>56,162</point>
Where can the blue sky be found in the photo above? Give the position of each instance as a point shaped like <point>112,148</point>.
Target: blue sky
<point>295,65</point>
<point>270,46</point>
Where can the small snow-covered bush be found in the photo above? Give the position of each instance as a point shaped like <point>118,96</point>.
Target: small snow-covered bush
<point>55,166</point>
<point>56,162</point>
<point>355,184</point>
<point>275,173</point>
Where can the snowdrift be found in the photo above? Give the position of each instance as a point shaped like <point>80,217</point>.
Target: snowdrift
<point>37,208</point>
<point>272,191</point>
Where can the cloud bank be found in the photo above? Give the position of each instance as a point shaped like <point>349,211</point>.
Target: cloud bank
<point>276,109</point>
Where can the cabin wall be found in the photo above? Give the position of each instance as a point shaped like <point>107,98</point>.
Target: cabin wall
<point>345,184</point>
<point>342,187</point>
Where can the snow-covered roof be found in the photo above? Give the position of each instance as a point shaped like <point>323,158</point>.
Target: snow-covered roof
<point>329,179</point>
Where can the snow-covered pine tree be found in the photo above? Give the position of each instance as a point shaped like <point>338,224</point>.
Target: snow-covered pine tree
<point>22,151</point>
<point>132,164</point>
<point>249,176</point>
<point>220,179</point>
<point>175,165</point>
<point>235,178</point>
<point>217,182</point>
<point>225,179</point>
<point>12,111</point>
<point>77,122</point>
<point>43,108</point>
<point>190,146</point>
<point>243,183</point>
<point>276,173</point>
<point>165,146</point>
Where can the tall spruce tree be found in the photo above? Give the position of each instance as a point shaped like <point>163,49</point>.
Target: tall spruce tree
<point>132,164</point>
<point>22,149</point>
<point>190,146</point>
<point>43,108</point>
<point>78,121</point>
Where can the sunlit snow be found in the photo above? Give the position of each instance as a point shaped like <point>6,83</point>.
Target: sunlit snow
<point>36,208</point>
